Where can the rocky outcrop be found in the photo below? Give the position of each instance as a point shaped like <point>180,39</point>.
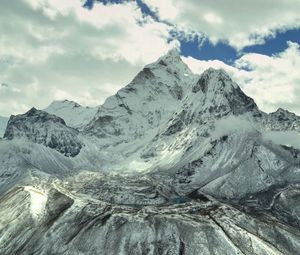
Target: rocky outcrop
<point>43,128</point>
<point>283,120</point>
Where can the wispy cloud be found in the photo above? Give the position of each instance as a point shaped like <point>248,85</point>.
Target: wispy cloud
<point>288,138</point>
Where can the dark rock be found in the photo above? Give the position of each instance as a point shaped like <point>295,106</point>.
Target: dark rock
<point>43,128</point>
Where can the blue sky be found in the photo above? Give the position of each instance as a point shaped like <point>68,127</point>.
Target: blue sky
<point>85,50</point>
<point>228,54</point>
<point>222,51</point>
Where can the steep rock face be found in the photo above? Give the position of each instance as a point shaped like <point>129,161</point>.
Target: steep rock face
<point>216,95</point>
<point>212,97</point>
<point>46,129</point>
<point>75,115</point>
<point>143,105</point>
<point>283,120</point>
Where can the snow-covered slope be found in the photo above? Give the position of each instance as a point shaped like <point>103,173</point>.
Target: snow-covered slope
<point>146,103</point>
<point>174,163</point>
<point>3,123</point>
<point>74,114</point>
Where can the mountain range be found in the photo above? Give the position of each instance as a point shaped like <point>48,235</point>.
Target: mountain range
<point>173,163</point>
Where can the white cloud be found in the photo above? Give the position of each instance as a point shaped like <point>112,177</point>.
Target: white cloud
<point>199,66</point>
<point>51,49</point>
<point>212,18</point>
<point>272,81</point>
<point>231,124</point>
<point>135,38</point>
<point>241,23</point>
<point>288,138</point>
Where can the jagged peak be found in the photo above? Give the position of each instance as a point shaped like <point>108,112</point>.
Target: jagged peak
<point>280,111</point>
<point>214,79</point>
<point>36,115</point>
<point>32,111</point>
<point>221,73</point>
<point>171,60</point>
<point>57,103</point>
<point>168,65</point>
<point>171,56</point>
<point>221,95</point>
<point>41,127</point>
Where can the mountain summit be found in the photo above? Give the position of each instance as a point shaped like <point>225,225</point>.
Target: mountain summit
<point>74,114</point>
<point>173,163</point>
<point>43,128</point>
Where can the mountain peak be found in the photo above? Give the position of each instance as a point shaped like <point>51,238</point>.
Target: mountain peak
<point>217,72</point>
<point>32,111</point>
<point>171,56</point>
<point>44,128</point>
<point>167,68</point>
<point>61,103</point>
<point>283,114</point>
<point>221,95</point>
<point>171,60</point>
<point>75,115</point>
<point>283,111</point>
<point>214,79</point>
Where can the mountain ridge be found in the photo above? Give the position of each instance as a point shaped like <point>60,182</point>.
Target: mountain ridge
<point>174,161</point>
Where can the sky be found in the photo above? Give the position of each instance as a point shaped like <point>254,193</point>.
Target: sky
<point>85,50</point>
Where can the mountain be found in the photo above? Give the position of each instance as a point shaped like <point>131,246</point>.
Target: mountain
<point>283,120</point>
<point>75,115</point>
<point>143,105</point>
<point>174,163</point>
<point>3,123</point>
<point>43,128</point>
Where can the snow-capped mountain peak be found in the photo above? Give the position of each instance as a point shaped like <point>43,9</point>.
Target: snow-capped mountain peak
<point>65,102</point>
<point>214,79</point>
<point>216,94</point>
<point>148,101</point>
<point>171,57</point>
<point>172,63</point>
<point>74,114</point>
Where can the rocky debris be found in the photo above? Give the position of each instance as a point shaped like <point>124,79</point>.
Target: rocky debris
<point>94,227</point>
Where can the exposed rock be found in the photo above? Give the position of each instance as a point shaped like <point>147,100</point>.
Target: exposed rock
<point>43,128</point>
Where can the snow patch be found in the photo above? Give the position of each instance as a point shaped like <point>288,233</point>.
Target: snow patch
<point>38,200</point>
